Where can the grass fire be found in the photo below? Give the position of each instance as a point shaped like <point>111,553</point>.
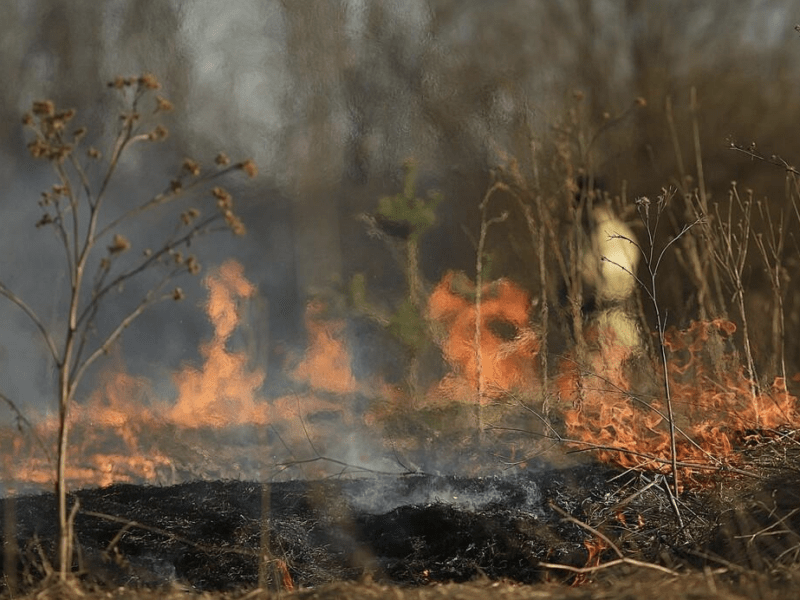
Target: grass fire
<point>421,300</point>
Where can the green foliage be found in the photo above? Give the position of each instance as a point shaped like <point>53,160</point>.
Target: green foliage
<point>409,326</point>
<point>418,213</point>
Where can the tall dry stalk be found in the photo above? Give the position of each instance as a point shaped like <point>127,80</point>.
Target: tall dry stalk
<point>652,259</point>
<point>485,224</point>
<point>730,237</point>
<point>771,243</point>
<point>82,215</point>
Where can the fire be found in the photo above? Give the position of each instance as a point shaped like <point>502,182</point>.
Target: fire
<point>326,365</point>
<point>224,390</point>
<point>507,361</point>
<point>122,433</point>
<point>715,404</point>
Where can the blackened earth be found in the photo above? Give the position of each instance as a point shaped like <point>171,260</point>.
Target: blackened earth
<point>224,535</point>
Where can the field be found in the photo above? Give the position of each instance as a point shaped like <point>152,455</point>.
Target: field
<point>426,300</point>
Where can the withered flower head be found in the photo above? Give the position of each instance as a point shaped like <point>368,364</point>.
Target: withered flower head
<point>44,108</point>
<point>192,265</point>
<point>149,81</point>
<point>59,153</point>
<point>118,83</point>
<point>162,104</point>
<point>235,223</point>
<point>222,159</point>
<point>191,166</point>
<point>177,255</point>
<point>27,119</point>
<point>158,134</point>
<point>119,244</point>
<point>93,153</point>
<point>249,167</point>
<point>45,220</point>
<point>177,294</point>
<point>189,215</point>
<point>38,149</point>
<point>175,186</point>
<point>640,101</point>
<point>129,118</point>
<point>78,134</point>
<point>224,199</point>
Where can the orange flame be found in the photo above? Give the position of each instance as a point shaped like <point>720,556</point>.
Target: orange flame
<point>224,390</point>
<point>715,404</point>
<point>507,364</point>
<point>326,365</point>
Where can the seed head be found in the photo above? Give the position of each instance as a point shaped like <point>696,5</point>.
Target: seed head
<point>45,220</point>
<point>177,294</point>
<point>222,159</point>
<point>162,104</point>
<point>149,81</point>
<point>39,149</point>
<point>235,223</point>
<point>224,199</point>
<point>191,166</point>
<point>249,167</point>
<point>189,215</point>
<point>119,244</point>
<point>44,108</point>
<point>192,265</point>
<point>93,153</point>
<point>158,134</point>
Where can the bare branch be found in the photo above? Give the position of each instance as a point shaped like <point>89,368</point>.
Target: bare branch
<point>36,321</point>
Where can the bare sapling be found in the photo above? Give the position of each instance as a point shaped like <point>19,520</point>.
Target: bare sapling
<point>652,259</point>
<point>89,223</point>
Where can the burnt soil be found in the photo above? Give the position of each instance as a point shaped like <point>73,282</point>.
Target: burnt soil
<point>414,530</point>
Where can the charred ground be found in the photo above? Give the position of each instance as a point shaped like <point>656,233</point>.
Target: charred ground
<point>420,530</point>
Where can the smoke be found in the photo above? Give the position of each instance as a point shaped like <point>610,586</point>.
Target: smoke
<point>330,99</point>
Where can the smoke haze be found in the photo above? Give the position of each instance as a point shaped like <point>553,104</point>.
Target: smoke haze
<point>330,99</point>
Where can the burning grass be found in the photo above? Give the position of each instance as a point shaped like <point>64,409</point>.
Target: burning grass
<point>717,407</point>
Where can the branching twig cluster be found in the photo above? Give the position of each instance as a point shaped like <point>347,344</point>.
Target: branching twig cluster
<point>81,213</point>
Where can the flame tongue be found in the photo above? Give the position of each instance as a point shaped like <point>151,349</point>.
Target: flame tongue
<point>224,390</point>
<point>715,404</point>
